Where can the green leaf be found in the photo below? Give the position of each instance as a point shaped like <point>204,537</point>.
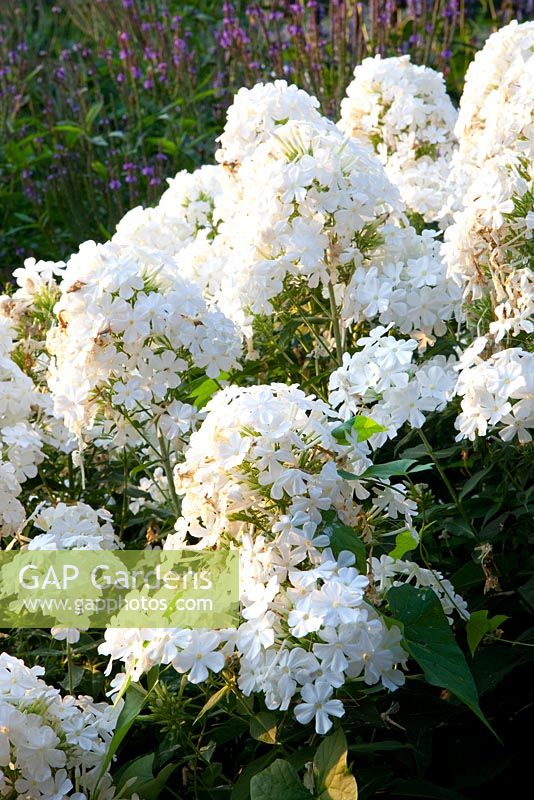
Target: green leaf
<point>153,788</point>
<point>137,776</point>
<point>99,168</point>
<point>165,145</point>
<point>241,788</point>
<point>332,777</point>
<point>280,781</point>
<point>99,141</point>
<point>92,114</point>
<point>69,127</point>
<point>205,389</point>
<point>374,747</point>
<point>401,467</point>
<point>77,673</point>
<point>473,482</point>
<point>139,768</point>
<point>383,472</point>
<point>479,624</point>
<point>134,701</point>
<point>404,542</point>
<point>263,727</point>
<point>429,640</point>
<point>212,702</point>
<point>23,217</point>
<point>364,427</point>
<point>343,537</point>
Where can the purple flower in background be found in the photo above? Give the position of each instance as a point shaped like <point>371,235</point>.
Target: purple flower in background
<point>114,184</point>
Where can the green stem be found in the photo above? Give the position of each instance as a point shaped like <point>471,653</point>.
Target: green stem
<point>124,494</point>
<point>70,465</point>
<point>313,332</point>
<point>69,668</point>
<point>446,481</point>
<point>335,323</point>
<point>169,473</point>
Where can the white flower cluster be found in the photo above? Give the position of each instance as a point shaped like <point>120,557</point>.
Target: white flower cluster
<point>327,215</point>
<point>51,747</point>
<point>261,475</point>
<point>24,321</point>
<point>403,111</point>
<point>258,448</point>
<point>127,334</point>
<point>495,130</point>
<point>257,113</point>
<point>20,443</point>
<point>388,572</point>
<point>73,527</point>
<point>186,216</point>
<point>321,194</point>
<point>381,380</point>
<point>34,279</point>
<point>496,105</point>
<point>403,283</point>
<point>489,248</point>
<point>498,390</point>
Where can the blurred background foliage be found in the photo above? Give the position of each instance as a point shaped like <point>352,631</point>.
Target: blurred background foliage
<point>100,100</point>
